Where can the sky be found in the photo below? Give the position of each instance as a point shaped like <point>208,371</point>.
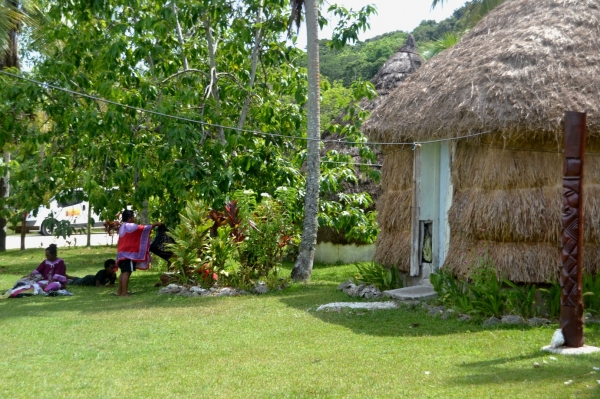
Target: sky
<point>391,15</point>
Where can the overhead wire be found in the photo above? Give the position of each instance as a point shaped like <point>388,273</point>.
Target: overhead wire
<point>255,132</point>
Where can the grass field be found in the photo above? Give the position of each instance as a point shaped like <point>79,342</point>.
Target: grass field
<point>94,345</point>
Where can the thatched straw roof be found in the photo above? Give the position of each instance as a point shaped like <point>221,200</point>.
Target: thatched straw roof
<point>516,72</point>
<point>403,63</point>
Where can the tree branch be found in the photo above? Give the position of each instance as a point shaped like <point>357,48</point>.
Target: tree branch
<point>257,43</point>
<point>176,74</point>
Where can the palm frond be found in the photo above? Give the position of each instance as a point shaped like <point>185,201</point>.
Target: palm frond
<point>432,49</point>
<point>13,16</point>
<point>296,15</point>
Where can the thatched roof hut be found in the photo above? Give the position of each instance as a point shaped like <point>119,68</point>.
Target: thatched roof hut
<point>513,75</point>
<point>405,61</point>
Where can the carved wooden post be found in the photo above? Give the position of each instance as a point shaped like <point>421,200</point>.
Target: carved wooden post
<point>571,310</point>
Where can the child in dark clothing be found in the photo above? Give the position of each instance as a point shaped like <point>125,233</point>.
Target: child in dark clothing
<point>108,275</point>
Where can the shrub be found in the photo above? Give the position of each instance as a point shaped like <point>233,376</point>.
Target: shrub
<point>591,292</point>
<point>521,299</point>
<point>191,246</point>
<point>489,298</point>
<point>267,228</point>
<point>451,291</point>
<point>382,277</point>
<point>552,298</point>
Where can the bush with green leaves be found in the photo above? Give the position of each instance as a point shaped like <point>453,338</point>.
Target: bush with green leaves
<point>384,278</point>
<point>268,228</point>
<point>452,292</point>
<point>591,292</point>
<point>192,243</point>
<point>488,296</point>
<point>551,295</point>
<point>521,299</point>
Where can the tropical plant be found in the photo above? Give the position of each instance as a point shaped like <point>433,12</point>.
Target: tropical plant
<point>192,245</point>
<point>219,250</point>
<point>384,278</point>
<point>591,292</point>
<point>451,291</point>
<point>552,294</point>
<point>521,299</point>
<point>447,41</point>
<point>489,298</point>
<point>268,230</point>
<point>304,262</point>
<point>347,30</point>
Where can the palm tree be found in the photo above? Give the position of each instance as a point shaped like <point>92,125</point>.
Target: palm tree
<point>304,263</point>
<point>12,17</point>
<point>432,49</point>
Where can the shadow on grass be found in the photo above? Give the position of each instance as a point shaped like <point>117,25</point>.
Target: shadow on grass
<point>322,289</point>
<point>91,300</point>
<point>578,371</point>
<point>403,321</point>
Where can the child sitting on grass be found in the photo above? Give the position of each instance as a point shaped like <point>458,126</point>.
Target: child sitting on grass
<point>108,275</point>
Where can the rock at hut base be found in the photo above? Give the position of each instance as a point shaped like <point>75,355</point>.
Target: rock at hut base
<point>512,319</point>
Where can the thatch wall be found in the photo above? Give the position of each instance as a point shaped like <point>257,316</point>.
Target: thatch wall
<point>394,209</point>
<point>507,203</point>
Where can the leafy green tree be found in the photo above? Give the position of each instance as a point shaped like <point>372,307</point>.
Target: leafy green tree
<point>477,8</point>
<point>334,99</point>
<point>359,61</point>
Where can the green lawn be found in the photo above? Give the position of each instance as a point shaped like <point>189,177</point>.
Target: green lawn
<point>94,345</point>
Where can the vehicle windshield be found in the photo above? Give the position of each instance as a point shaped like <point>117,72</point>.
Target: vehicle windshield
<point>70,198</point>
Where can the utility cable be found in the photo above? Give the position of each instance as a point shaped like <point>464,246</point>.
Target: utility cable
<point>255,132</point>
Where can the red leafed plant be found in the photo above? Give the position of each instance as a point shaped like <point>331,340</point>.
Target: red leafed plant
<point>111,226</point>
<point>232,216</point>
<point>209,277</point>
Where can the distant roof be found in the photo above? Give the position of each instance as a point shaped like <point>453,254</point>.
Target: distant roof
<point>405,61</point>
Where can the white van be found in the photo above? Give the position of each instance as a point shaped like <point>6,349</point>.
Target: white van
<point>73,208</point>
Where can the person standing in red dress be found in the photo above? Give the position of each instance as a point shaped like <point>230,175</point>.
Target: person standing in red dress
<point>132,249</point>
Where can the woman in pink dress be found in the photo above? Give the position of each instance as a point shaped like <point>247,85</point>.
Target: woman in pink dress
<point>50,275</point>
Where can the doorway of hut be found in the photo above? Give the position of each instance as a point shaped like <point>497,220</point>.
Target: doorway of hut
<point>432,197</point>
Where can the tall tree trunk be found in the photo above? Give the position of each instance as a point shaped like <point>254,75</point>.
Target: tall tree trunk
<point>23,230</point>
<point>4,193</point>
<point>304,264</point>
<point>89,225</point>
<point>10,59</point>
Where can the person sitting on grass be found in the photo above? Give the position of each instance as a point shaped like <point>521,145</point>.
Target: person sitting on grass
<point>108,275</point>
<point>50,275</point>
<point>132,249</point>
